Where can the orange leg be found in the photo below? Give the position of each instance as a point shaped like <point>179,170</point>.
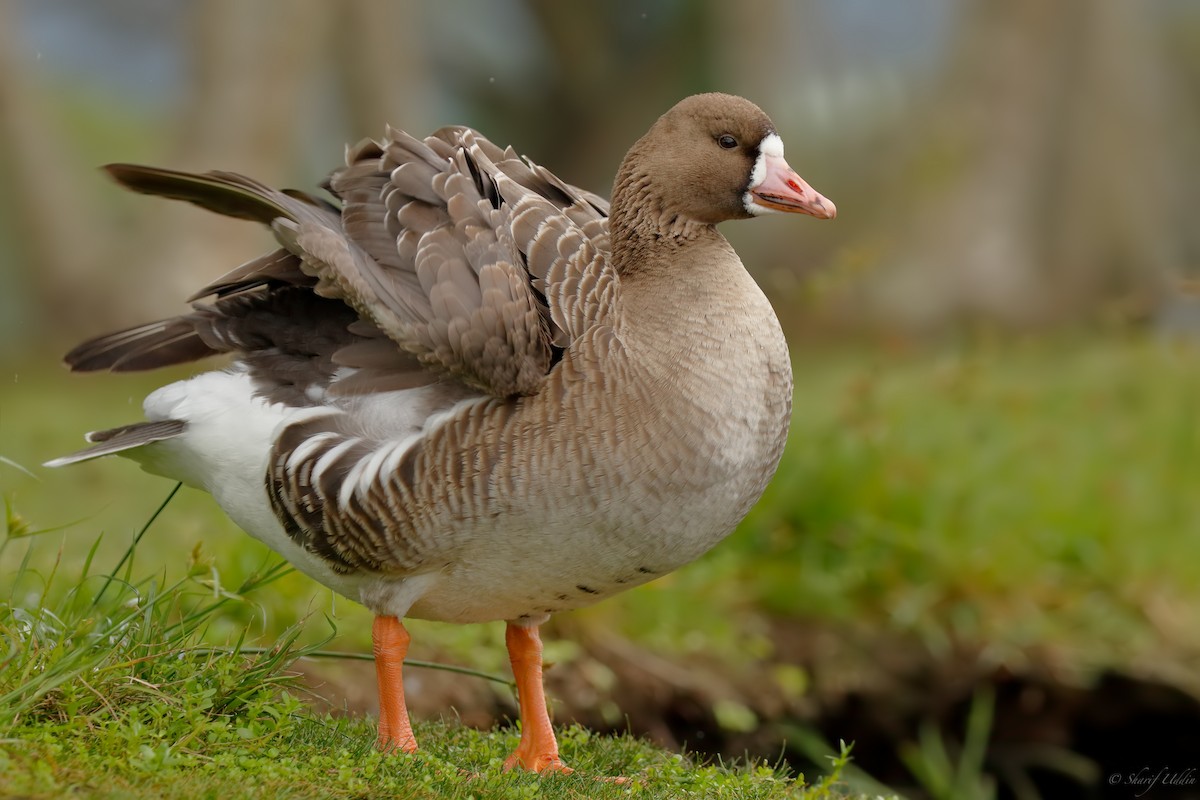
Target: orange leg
<point>391,645</point>
<point>538,750</point>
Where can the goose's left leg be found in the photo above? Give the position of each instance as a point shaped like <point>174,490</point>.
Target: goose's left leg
<point>391,646</point>
<point>538,750</point>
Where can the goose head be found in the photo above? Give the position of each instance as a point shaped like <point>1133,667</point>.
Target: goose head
<point>711,158</point>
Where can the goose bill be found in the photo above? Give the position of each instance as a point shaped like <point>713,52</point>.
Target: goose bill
<point>781,189</point>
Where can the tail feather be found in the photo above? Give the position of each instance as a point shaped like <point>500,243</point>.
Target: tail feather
<point>149,346</point>
<point>278,267</point>
<point>126,437</point>
<point>225,193</point>
<point>190,337</point>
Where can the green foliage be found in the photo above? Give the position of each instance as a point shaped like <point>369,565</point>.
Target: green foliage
<point>108,647</point>
<point>321,757</point>
<point>945,777</point>
<point>981,496</point>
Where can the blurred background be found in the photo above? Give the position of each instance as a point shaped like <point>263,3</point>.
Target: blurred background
<point>990,490</point>
<point>1024,162</point>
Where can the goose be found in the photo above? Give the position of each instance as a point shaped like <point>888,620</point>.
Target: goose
<point>464,390</point>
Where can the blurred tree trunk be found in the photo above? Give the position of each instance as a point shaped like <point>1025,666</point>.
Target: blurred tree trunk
<point>770,51</point>
<point>379,58</point>
<point>48,204</point>
<point>607,76</point>
<point>1044,186</point>
<point>251,66</point>
<point>778,54</point>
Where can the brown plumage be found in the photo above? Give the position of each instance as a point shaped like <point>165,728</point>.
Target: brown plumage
<point>464,392</point>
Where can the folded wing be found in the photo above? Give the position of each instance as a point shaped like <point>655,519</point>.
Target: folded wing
<point>453,255</point>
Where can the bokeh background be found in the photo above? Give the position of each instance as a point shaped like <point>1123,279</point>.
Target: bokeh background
<point>991,486</point>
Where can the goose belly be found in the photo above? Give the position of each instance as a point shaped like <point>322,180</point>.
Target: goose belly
<point>527,567</point>
<point>593,511</point>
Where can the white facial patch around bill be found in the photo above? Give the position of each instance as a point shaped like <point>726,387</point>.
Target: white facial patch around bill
<point>771,145</point>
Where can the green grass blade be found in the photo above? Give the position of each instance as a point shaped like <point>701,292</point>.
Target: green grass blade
<point>128,554</point>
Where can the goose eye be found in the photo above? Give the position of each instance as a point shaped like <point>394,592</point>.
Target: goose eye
<point>727,141</point>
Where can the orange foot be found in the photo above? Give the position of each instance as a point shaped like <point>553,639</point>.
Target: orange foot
<point>390,742</point>
<point>528,757</point>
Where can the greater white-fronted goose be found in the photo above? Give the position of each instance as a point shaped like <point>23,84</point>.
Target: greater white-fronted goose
<point>467,391</point>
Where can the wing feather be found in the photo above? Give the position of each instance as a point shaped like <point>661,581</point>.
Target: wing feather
<point>480,264</point>
<point>477,242</point>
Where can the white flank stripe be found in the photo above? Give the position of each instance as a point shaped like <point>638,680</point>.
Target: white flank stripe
<point>371,469</point>
<point>401,447</point>
<point>434,420</point>
<point>351,481</point>
<point>386,457</point>
<point>306,449</point>
<point>324,462</point>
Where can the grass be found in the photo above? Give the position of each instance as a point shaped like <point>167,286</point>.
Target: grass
<point>326,758</point>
